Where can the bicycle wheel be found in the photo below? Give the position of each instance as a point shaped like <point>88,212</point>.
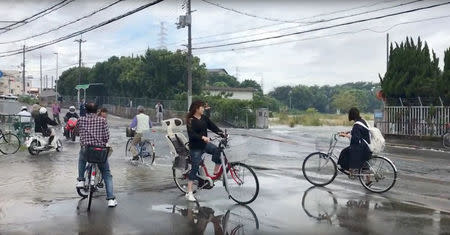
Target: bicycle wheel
<point>147,154</point>
<point>243,184</point>
<point>91,188</point>
<point>128,152</point>
<point>446,140</point>
<point>319,203</point>
<point>319,169</point>
<point>240,219</point>
<point>181,177</point>
<point>9,143</point>
<point>378,174</point>
<point>84,192</point>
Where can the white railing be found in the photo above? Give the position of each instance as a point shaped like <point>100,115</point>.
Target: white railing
<point>415,120</point>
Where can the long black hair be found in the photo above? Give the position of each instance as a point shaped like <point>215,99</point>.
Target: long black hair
<point>353,114</point>
<point>192,109</point>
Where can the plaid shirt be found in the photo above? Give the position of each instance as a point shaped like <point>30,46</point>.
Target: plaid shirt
<point>93,130</point>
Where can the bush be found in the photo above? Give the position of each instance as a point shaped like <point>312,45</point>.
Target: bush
<point>27,99</point>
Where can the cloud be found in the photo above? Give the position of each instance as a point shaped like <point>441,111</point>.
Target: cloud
<point>330,60</point>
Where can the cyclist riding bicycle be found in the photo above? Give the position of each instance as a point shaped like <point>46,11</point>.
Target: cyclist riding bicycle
<point>197,127</point>
<point>141,122</point>
<point>41,123</point>
<point>353,157</point>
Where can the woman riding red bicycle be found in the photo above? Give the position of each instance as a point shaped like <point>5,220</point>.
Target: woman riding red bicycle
<point>197,127</point>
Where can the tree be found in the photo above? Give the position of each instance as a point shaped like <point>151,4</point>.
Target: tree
<point>158,74</point>
<point>69,79</point>
<point>251,83</point>
<point>213,78</point>
<point>347,99</point>
<point>445,80</point>
<point>412,71</point>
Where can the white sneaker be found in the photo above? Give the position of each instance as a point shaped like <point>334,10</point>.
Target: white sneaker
<point>80,184</point>
<point>112,202</point>
<point>190,197</point>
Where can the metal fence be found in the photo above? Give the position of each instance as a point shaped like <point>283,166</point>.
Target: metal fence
<point>128,102</point>
<point>415,120</point>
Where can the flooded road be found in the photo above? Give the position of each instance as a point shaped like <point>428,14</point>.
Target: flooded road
<point>38,193</point>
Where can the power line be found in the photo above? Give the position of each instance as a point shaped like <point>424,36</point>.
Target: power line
<point>304,18</point>
<point>326,27</point>
<point>315,22</point>
<point>35,16</point>
<point>93,27</point>
<point>328,35</point>
<point>64,25</point>
<point>248,14</point>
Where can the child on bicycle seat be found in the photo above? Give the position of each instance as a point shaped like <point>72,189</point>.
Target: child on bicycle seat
<point>197,127</point>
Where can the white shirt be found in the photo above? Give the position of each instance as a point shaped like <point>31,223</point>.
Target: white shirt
<point>25,116</point>
<point>143,123</point>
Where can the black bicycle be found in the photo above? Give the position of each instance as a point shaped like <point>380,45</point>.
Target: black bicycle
<point>9,143</point>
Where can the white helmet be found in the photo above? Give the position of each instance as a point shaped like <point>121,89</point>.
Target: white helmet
<point>72,109</point>
<point>42,110</point>
<point>24,108</point>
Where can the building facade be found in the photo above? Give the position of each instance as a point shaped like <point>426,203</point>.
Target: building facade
<point>11,83</point>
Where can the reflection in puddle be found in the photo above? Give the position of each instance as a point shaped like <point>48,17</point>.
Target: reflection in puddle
<point>369,214</point>
<point>238,219</point>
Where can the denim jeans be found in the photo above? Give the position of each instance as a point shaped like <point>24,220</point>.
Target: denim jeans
<point>104,168</point>
<point>196,158</point>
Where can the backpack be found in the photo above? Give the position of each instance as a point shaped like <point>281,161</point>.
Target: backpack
<point>377,142</point>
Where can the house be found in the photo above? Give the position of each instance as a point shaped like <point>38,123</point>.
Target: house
<point>217,71</point>
<point>11,83</point>
<point>233,92</point>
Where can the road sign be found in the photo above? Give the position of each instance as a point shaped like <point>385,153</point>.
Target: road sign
<point>1,74</point>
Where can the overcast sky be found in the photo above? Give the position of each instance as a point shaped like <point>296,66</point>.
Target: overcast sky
<point>356,54</point>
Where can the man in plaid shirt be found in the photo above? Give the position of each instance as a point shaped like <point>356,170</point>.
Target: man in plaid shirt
<point>94,131</point>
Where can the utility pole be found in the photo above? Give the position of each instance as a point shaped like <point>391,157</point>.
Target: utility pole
<point>79,58</point>
<point>40,65</point>
<point>57,77</point>
<point>51,83</point>
<point>189,68</point>
<point>23,71</point>
<point>387,51</point>
<point>185,20</point>
<point>46,82</point>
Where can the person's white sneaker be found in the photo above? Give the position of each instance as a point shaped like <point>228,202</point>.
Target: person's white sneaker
<point>112,202</point>
<point>80,184</point>
<point>190,197</point>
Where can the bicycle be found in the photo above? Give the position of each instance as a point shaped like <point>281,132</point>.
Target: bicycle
<point>93,181</point>
<point>378,174</point>
<point>9,143</point>
<point>446,137</point>
<point>238,219</point>
<point>240,189</point>
<point>145,148</point>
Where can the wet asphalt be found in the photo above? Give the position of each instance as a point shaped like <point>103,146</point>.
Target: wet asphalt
<point>37,193</point>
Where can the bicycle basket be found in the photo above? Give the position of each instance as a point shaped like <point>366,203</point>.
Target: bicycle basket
<point>130,132</point>
<point>322,144</point>
<point>96,154</point>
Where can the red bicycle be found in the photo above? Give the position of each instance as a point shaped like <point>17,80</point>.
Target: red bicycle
<point>240,181</point>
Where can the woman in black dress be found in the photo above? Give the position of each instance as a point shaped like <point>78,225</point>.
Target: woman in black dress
<point>353,157</point>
